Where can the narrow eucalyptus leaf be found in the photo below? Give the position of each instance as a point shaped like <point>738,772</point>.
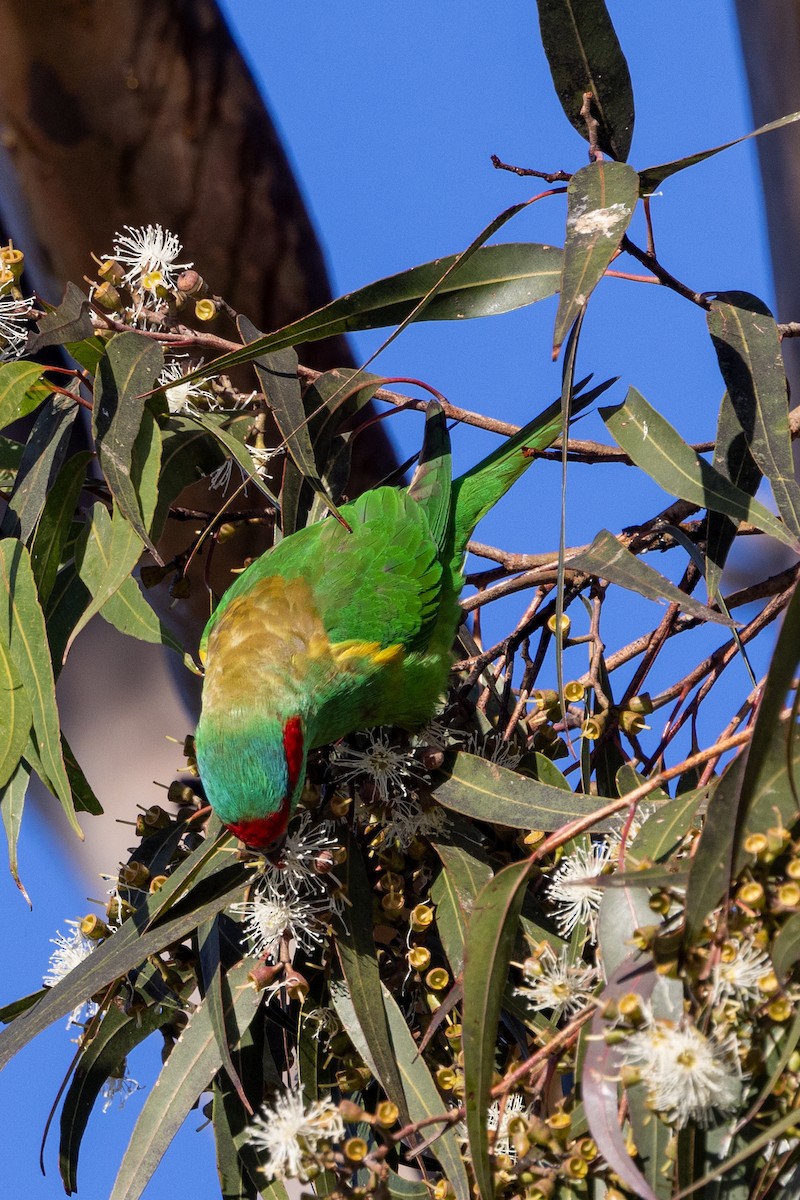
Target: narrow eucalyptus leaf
<point>41,463</point>
<point>125,431</point>
<point>20,390</point>
<point>481,789</point>
<point>600,203</point>
<point>490,939</point>
<point>609,559</point>
<point>584,54</point>
<point>662,453</point>
<point>748,348</point>
<point>22,629</point>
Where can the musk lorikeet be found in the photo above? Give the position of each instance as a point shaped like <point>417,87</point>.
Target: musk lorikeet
<point>333,631</point>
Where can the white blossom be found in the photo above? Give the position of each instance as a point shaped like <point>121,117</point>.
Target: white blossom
<point>149,253</point>
<point>575,898</point>
<point>14,329</point>
<point>306,847</point>
<point>388,769</point>
<point>494,750</point>
<point>120,1088</point>
<point>180,395</point>
<point>275,911</point>
<point>71,950</point>
<point>514,1107</point>
<point>289,1133</point>
<point>687,1075</point>
<point>552,981</point>
<point>405,820</point>
<point>738,972</point>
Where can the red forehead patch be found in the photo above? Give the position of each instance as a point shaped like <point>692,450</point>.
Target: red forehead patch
<point>293,749</point>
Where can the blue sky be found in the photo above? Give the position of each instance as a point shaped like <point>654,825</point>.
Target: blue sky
<point>390,113</point>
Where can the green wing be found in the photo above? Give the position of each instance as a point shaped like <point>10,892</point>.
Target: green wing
<point>380,583</point>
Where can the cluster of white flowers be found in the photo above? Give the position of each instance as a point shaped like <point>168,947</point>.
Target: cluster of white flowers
<point>15,316</point>
<point>149,253</point>
<point>688,1076</point>
<point>555,982</point>
<point>575,898</point>
<point>181,396</point>
<point>276,911</point>
<point>390,771</point>
<point>220,479</point>
<point>289,1133</point>
<point>70,950</point>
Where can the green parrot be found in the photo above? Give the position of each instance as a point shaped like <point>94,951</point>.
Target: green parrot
<point>334,630</point>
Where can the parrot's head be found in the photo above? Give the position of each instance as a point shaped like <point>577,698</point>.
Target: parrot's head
<point>253,776</point>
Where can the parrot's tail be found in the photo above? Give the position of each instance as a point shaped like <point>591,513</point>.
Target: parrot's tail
<point>480,488</point>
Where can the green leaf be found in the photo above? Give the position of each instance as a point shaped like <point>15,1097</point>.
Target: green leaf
<point>55,523</point>
<point>584,54</point>
<point>15,716</point>
<point>609,559</point>
<point>732,458</point>
<point>104,1054</point>
<point>754,794</point>
<point>652,177</point>
<point>280,385</point>
<point>107,553</point>
<point>87,352</point>
<point>42,459</point>
<point>664,830</point>
<point>10,459</point>
<point>785,950</point>
<point>82,794</point>
<point>454,892</point>
<point>128,611</point>
<point>12,804</point>
<point>21,390</point>
<point>661,452</point>
<point>333,398</point>
<point>748,348</point>
<point>356,949</point>
<point>214,989</point>
<point>125,431</point>
<point>188,452</point>
<point>22,629</point>
<point>63,609</point>
<point>422,1096</point>
<point>487,953</point>
<point>485,791</point>
<point>490,279</point>
<point>600,203</point>
<point>70,322</point>
<point>130,946</point>
<point>601,1070</point>
<point>193,1063</point>
<point>212,423</point>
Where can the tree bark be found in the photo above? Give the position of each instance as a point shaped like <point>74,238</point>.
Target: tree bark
<point>770,33</point>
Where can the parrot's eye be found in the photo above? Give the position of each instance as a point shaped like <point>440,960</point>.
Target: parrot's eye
<point>294,750</point>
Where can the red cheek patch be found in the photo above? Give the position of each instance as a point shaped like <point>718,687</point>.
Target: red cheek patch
<point>293,749</point>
